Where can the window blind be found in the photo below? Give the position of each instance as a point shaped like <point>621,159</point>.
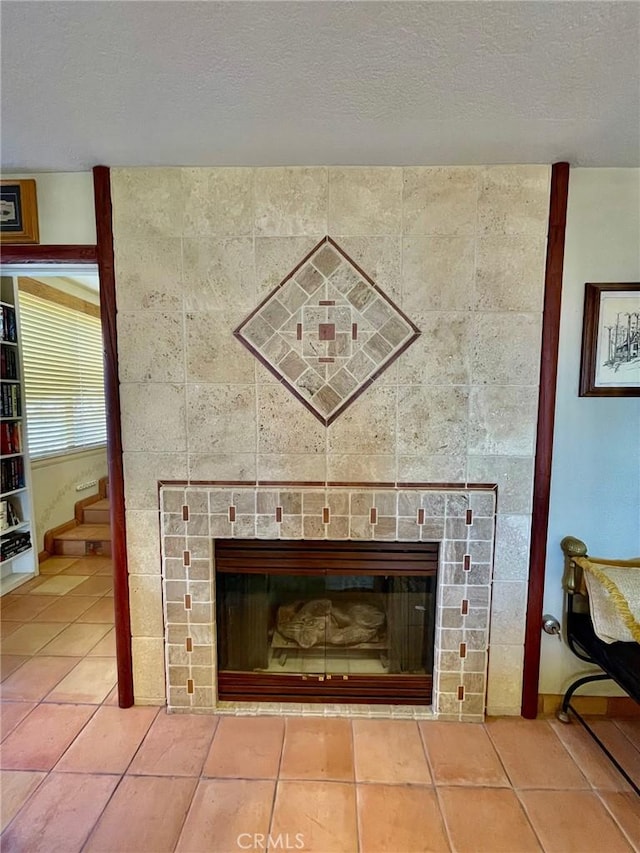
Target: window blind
<point>64,382</point>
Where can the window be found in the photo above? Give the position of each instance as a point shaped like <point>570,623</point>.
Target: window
<point>63,371</point>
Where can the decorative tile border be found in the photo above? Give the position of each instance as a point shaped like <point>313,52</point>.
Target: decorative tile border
<point>462,519</point>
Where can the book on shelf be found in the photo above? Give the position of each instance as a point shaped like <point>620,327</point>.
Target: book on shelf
<point>8,363</point>
<point>8,327</point>
<point>12,516</point>
<point>10,401</point>
<point>9,516</point>
<point>11,474</point>
<point>14,543</point>
<point>10,438</point>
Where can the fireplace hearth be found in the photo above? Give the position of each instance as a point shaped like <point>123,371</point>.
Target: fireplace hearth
<point>327,621</point>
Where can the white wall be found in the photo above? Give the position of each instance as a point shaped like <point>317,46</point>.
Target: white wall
<point>66,213</point>
<point>54,482</point>
<point>595,479</point>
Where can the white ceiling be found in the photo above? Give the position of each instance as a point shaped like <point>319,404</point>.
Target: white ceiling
<point>269,83</point>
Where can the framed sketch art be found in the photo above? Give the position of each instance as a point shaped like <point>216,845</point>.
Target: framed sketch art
<point>610,365</point>
<point>18,211</point>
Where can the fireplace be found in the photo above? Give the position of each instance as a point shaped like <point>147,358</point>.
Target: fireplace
<point>449,526</point>
<point>328,621</point>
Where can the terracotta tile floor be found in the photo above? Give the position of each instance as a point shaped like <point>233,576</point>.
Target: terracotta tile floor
<point>79,773</point>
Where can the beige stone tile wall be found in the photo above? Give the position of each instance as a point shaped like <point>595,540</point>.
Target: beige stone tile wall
<point>460,250</point>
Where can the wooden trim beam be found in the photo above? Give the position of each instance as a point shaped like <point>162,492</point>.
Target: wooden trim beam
<point>105,259</point>
<point>11,253</point>
<point>544,439</point>
<point>58,297</point>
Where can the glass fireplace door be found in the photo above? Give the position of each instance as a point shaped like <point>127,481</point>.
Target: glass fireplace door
<point>325,624</point>
<point>284,623</point>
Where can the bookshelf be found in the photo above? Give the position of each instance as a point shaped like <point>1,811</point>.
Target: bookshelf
<point>18,558</point>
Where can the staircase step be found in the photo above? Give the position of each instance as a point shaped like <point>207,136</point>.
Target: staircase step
<point>96,513</point>
<point>83,540</point>
<point>87,531</point>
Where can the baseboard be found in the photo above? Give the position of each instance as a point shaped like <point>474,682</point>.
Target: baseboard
<point>595,706</point>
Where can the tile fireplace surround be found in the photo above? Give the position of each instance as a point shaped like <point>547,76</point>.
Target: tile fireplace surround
<point>460,251</point>
<point>462,520</point>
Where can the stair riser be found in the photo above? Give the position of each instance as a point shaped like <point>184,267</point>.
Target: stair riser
<point>80,548</point>
<point>95,516</point>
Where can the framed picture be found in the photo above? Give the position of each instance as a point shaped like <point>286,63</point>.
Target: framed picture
<point>610,365</point>
<point>18,212</point>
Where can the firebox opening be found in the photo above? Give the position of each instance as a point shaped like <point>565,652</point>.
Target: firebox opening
<point>339,621</point>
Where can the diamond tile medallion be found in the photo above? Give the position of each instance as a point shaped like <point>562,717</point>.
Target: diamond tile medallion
<point>327,331</point>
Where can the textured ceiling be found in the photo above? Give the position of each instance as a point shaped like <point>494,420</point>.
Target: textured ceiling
<point>270,83</point>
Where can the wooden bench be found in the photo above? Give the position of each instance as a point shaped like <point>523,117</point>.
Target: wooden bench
<point>619,661</point>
